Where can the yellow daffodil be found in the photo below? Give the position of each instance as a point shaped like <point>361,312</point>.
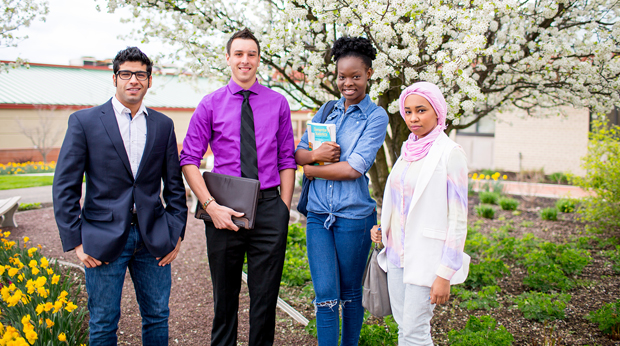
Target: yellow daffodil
<point>31,336</point>
<point>41,280</point>
<point>39,309</point>
<point>62,337</point>
<point>35,271</point>
<point>55,279</point>
<point>504,177</point>
<point>44,261</point>
<point>49,323</point>
<point>70,307</point>
<point>49,271</point>
<point>13,271</point>
<point>26,239</point>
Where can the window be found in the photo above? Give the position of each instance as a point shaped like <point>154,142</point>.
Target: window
<point>484,127</point>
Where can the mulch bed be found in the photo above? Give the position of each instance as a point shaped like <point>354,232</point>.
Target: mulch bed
<point>603,287</point>
<point>192,302</point>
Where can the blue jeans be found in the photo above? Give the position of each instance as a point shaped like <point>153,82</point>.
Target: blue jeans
<point>337,258</point>
<point>104,285</point>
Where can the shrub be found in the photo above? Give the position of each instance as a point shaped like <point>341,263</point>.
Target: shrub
<point>550,214</point>
<point>602,167</point>
<point>489,197</point>
<point>486,273</point>
<point>608,319</point>
<point>485,211</point>
<point>507,203</point>
<point>485,299</point>
<point>37,300</point>
<point>565,205</point>
<point>482,331</point>
<point>541,306</point>
<point>558,177</point>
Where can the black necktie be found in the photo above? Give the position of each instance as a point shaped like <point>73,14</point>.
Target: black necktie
<point>249,161</point>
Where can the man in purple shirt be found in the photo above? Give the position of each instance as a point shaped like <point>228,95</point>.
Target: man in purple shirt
<point>217,122</point>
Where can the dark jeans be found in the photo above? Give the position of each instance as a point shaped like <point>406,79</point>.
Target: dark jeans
<point>265,246</point>
<point>104,285</point>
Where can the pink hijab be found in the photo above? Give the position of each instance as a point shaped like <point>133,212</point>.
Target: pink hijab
<point>416,149</point>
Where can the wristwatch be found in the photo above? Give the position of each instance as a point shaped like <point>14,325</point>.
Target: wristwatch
<point>206,203</point>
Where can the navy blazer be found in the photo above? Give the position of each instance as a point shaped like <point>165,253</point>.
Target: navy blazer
<point>93,145</point>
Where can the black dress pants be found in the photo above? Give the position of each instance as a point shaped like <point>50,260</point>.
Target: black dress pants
<point>265,246</point>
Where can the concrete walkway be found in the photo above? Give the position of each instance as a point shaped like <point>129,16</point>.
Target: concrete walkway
<point>39,194</point>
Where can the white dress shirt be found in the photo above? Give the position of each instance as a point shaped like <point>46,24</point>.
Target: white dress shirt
<point>133,131</point>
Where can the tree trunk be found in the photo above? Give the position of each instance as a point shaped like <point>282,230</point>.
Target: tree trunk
<point>399,132</point>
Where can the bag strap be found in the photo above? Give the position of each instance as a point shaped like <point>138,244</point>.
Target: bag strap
<point>329,107</point>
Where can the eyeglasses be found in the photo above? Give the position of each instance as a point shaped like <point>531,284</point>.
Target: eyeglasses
<point>126,75</point>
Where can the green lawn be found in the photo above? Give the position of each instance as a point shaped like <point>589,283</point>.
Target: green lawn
<point>8,182</point>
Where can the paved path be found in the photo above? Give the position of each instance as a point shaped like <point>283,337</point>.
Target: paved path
<point>39,194</point>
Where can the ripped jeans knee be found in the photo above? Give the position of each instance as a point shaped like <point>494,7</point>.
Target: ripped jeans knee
<point>328,304</point>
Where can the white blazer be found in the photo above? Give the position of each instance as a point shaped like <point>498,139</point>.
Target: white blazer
<point>426,227</point>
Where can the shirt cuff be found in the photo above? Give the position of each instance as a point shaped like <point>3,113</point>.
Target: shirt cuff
<point>445,272</point>
<point>302,145</point>
<point>189,160</point>
<point>357,162</point>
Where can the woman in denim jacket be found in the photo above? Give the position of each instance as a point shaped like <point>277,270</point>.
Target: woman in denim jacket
<point>340,209</point>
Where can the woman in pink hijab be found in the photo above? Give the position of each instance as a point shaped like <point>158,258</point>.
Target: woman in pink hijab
<point>424,216</point>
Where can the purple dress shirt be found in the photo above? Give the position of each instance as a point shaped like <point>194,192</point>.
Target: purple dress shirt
<point>217,122</point>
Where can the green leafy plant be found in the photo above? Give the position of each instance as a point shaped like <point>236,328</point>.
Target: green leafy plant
<point>526,224</point>
<point>602,167</point>
<point>546,278</point>
<point>558,177</point>
<point>489,197</point>
<point>483,331</point>
<point>485,211</point>
<point>550,214</point>
<point>385,333</point>
<point>608,319</point>
<point>296,271</point>
<point>567,258</point>
<point>486,273</point>
<point>541,306</point>
<point>29,206</point>
<point>565,205</point>
<point>614,256</point>
<point>507,203</point>
<point>484,299</point>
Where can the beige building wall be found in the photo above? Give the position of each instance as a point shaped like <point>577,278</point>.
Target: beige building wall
<point>553,143</point>
<point>15,145</point>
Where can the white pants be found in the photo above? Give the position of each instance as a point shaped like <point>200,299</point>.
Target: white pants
<point>411,309</point>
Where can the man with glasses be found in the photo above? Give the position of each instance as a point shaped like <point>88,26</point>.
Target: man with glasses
<point>125,150</point>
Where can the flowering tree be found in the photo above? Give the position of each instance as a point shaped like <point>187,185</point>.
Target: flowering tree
<point>15,14</point>
<point>486,56</point>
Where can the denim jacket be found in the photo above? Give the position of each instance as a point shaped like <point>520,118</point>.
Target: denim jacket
<point>360,132</point>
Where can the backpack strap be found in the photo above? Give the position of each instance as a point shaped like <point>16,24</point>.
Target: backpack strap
<point>329,107</point>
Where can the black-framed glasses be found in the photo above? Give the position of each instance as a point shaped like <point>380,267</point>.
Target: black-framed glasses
<point>126,75</point>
